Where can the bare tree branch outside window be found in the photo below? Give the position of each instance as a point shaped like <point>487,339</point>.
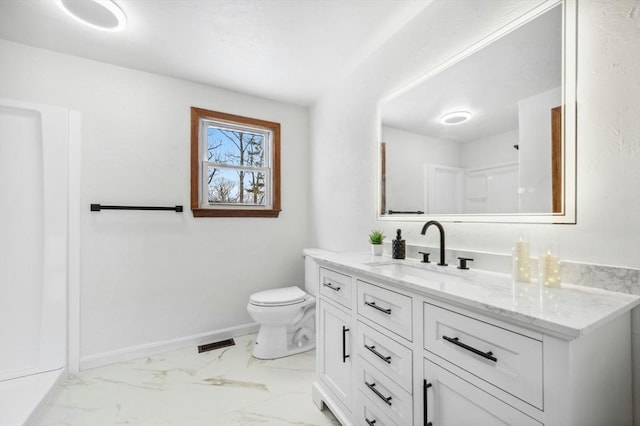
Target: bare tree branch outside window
<point>235,148</point>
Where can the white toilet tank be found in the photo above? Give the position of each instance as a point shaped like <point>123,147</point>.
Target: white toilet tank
<point>312,270</point>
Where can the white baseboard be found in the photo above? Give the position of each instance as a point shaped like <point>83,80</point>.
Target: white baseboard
<point>132,352</point>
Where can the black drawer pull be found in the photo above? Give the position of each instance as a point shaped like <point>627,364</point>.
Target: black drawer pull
<point>374,306</point>
<point>457,342</point>
<point>371,386</point>
<point>425,386</point>
<point>370,422</point>
<point>344,344</point>
<point>386,359</point>
<point>331,287</point>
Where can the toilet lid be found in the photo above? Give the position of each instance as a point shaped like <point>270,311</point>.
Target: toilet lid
<point>278,296</point>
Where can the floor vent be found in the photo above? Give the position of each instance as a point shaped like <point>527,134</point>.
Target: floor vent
<point>216,345</point>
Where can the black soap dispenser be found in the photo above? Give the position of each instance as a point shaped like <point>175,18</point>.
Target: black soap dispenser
<point>398,246</point>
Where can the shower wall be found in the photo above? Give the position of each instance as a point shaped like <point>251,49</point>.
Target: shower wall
<point>33,238</point>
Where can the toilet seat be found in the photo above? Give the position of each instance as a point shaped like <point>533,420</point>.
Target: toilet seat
<point>278,297</point>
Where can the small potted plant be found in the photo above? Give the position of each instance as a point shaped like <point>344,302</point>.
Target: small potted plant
<point>375,238</point>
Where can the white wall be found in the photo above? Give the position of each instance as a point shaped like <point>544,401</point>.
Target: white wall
<point>149,277</point>
<point>405,173</point>
<point>495,177</point>
<point>534,120</point>
<point>408,153</point>
<point>344,133</point>
<point>491,151</point>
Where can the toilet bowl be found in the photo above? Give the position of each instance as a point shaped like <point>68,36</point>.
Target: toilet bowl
<point>287,322</point>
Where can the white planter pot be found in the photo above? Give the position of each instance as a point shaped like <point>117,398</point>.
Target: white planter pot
<point>376,249</point>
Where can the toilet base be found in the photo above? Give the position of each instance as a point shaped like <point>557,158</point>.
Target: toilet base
<point>279,342</point>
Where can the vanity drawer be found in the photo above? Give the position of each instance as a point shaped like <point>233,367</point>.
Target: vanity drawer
<point>508,360</point>
<point>367,413</point>
<point>384,394</point>
<point>335,286</point>
<point>387,355</point>
<point>385,307</point>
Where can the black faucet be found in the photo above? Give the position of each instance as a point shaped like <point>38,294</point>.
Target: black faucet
<point>441,229</point>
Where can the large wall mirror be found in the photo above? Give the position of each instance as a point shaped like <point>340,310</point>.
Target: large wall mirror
<point>489,136</point>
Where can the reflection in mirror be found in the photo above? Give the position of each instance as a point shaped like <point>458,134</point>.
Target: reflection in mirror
<point>501,151</point>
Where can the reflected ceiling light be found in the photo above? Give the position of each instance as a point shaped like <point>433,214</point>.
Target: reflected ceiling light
<point>456,117</point>
<point>102,15</point>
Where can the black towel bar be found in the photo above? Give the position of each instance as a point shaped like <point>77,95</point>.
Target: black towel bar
<point>405,212</point>
<point>98,207</point>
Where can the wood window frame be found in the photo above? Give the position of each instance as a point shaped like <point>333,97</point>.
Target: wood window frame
<point>197,114</point>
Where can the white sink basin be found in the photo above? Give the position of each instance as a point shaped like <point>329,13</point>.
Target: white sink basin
<point>429,272</point>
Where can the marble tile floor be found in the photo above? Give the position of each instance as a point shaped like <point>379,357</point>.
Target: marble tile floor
<point>221,387</point>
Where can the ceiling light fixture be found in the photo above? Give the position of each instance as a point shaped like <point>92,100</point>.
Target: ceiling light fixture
<point>102,15</point>
<point>456,117</point>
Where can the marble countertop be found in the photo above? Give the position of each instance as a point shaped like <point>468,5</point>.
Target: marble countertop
<point>568,311</point>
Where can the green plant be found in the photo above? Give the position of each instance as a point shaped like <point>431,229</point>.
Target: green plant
<point>376,236</point>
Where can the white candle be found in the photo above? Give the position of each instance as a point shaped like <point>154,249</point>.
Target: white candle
<point>521,262</point>
<point>550,270</point>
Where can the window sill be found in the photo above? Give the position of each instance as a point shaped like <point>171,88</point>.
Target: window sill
<point>200,212</point>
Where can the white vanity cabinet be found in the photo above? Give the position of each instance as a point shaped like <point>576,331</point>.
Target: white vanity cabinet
<point>496,372</point>
<point>336,365</point>
<point>420,355</point>
<point>334,340</point>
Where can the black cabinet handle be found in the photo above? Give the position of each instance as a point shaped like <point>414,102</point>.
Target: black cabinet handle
<point>457,342</point>
<point>386,359</point>
<point>425,386</point>
<point>374,306</point>
<point>370,422</point>
<point>331,287</point>
<point>344,344</point>
<point>372,386</point>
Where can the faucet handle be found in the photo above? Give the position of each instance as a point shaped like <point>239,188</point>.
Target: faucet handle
<point>425,256</point>
<point>463,262</point>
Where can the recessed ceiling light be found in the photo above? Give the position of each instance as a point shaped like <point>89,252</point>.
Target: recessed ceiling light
<point>456,117</point>
<point>102,15</point>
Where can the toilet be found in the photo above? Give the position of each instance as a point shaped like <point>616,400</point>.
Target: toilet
<point>287,316</point>
<point>287,322</point>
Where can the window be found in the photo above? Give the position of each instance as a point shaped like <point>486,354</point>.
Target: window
<point>235,165</point>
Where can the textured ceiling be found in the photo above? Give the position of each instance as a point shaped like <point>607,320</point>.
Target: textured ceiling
<point>288,50</point>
